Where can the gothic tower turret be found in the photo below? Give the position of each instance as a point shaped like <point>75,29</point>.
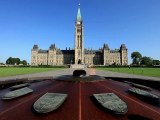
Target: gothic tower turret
<point>124,55</point>
<point>79,46</point>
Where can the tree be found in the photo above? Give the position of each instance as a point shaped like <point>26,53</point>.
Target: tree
<point>9,61</point>
<point>24,62</point>
<point>146,61</point>
<point>136,56</point>
<point>156,62</point>
<point>17,61</point>
<point>1,63</point>
<point>13,61</point>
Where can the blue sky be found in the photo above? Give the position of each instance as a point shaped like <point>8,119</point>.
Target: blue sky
<point>24,23</point>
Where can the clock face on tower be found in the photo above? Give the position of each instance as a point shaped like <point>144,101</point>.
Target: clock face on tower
<point>78,23</point>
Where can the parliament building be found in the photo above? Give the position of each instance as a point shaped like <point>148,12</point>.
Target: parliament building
<point>80,55</point>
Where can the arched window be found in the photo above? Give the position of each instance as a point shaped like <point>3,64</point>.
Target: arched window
<point>78,41</point>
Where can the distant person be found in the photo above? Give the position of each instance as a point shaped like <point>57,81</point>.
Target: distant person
<point>129,66</point>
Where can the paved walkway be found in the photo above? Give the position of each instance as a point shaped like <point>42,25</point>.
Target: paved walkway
<point>69,71</point>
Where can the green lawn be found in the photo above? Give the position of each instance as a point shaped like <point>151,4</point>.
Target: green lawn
<point>140,71</point>
<point>11,71</point>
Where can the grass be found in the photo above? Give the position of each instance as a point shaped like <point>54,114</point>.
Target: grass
<point>12,71</point>
<point>155,72</point>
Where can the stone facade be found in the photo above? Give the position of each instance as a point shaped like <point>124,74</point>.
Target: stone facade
<point>103,56</point>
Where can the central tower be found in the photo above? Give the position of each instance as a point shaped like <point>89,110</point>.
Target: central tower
<point>79,46</point>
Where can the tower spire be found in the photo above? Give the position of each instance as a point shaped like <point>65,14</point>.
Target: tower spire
<point>79,18</point>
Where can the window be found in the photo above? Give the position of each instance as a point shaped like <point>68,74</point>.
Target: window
<point>78,30</point>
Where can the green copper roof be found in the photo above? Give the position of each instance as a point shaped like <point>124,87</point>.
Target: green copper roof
<point>79,18</point>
